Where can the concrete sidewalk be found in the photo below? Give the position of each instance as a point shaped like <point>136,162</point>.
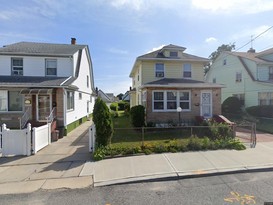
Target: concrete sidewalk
<point>67,164</point>
<point>59,165</point>
<point>175,165</point>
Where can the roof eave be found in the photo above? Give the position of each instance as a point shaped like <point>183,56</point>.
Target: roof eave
<point>184,85</point>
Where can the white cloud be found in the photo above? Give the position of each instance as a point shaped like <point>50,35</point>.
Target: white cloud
<point>210,40</point>
<point>234,6</point>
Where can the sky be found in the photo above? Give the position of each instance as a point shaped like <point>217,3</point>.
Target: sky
<point>118,31</point>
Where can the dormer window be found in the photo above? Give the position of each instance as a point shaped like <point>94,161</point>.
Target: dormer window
<point>159,70</point>
<point>17,66</point>
<point>173,54</point>
<point>51,67</point>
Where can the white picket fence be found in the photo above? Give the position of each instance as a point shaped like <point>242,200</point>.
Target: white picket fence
<point>18,142</point>
<point>41,137</point>
<point>92,138</point>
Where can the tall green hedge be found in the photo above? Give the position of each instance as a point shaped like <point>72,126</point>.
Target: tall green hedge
<point>103,121</point>
<point>232,105</point>
<point>261,111</point>
<point>138,116</point>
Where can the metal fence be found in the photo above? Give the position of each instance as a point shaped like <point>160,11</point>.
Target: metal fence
<point>139,136</point>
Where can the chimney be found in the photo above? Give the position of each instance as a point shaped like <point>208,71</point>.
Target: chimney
<point>73,41</point>
<point>251,50</point>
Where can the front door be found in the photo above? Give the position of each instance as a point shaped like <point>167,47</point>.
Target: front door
<point>206,104</point>
<point>43,107</point>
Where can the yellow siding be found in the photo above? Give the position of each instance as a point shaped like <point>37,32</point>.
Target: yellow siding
<point>173,69</point>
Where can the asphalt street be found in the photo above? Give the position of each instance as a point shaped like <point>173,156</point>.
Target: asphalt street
<point>244,188</point>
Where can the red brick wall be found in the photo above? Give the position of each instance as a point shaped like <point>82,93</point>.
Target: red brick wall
<point>164,117</point>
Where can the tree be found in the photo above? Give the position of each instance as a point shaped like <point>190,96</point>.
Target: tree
<point>103,121</point>
<point>215,54</point>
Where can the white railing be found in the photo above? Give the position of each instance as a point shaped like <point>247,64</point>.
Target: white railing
<point>24,119</point>
<point>51,116</point>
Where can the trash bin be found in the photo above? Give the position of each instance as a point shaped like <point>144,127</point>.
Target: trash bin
<point>61,132</point>
<point>55,135</point>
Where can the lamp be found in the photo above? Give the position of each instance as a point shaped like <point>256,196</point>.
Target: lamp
<point>179,110</point>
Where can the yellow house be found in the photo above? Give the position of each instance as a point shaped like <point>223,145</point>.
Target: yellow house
<point>168,81</point>
<point>246,75</point>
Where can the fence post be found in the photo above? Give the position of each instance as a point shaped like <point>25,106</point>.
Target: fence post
<point>91,133</point>
<point>142,136</point>
<point>28,139</point>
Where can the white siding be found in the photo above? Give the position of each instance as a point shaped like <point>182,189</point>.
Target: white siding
<point>35,66</point>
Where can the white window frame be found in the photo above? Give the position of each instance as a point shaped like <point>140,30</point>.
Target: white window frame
<point>185,67</point>
<point>70,99</point>
<point>160,73</point>
<point>47,67</point>
<point>268,98</point>
<point>6,100</point>
<point>165,101</point>
<point>16,69</point>
<point>238,76</point>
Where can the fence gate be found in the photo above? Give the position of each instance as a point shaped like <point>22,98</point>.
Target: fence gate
<point>246,133</point>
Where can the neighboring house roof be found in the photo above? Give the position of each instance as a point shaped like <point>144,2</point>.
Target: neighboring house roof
<point>33,81</point>
<point>40,49</point>
<point>159,55</point>
<point>104,96</point>
<point>250,56</point>
<point>126,96</point>
<point>181,83</point>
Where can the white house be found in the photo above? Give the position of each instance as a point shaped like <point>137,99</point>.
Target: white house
<point>37,79</point>
<point>246,75</point>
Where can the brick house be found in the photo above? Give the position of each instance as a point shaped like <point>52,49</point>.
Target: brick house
<point>168,79</point>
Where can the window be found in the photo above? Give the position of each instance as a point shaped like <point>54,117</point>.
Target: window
<point>80,96</point>
<point>187,70</point>
<point>144,98</point>
<point>171,100</point>
<point>173,54</point>
<point>87,81</point>
<point>224,61</point>
<point>17,66</point>
<point>159,70</point>
<point>184,100</point>
<point>10,101</point>
<point>270,77</point>
<point>265,98</point>
<point>70,100</point>
<point>238,76</point>
<point>158,100</point>
<point>51,67</point>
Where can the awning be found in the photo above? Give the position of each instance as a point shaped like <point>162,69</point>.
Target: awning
<point>27,91</point>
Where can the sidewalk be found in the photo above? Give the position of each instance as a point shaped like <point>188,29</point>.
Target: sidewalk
<point>67,164</point>
<point>176,165</point>
<point>58,165</point>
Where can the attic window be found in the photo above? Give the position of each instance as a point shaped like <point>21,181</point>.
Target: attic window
<point>173,54</point>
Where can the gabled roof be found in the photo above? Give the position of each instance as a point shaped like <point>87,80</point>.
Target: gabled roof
<point>31,81</point>
<point>105,97</point>
<point>159,55</point>
<point>181,83</point>
<point>40,49</point>
<point>250,56</point>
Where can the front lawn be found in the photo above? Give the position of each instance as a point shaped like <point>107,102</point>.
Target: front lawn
<point>129,140</point>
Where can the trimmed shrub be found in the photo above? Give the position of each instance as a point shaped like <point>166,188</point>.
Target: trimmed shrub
<point>122,105</point>
<point>114,106</point>
<point>232,105</point>
<point>261,111</point>
<point>138,116</point>
<point>103,121</point>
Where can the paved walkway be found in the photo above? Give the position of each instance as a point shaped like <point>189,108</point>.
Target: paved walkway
<point>58,165</point>
<point>67,164</point>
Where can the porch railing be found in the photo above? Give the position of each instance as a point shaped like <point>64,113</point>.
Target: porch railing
<point>51,116</point>
<point>24,119</point>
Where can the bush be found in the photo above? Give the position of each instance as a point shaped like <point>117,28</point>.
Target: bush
<point>114,106</point>
<point>103,121</point>
<point>122,105</point>
<point>261,111</point>
<point>138,116</point>
<point>232,105</point>
<point>127,108</point>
